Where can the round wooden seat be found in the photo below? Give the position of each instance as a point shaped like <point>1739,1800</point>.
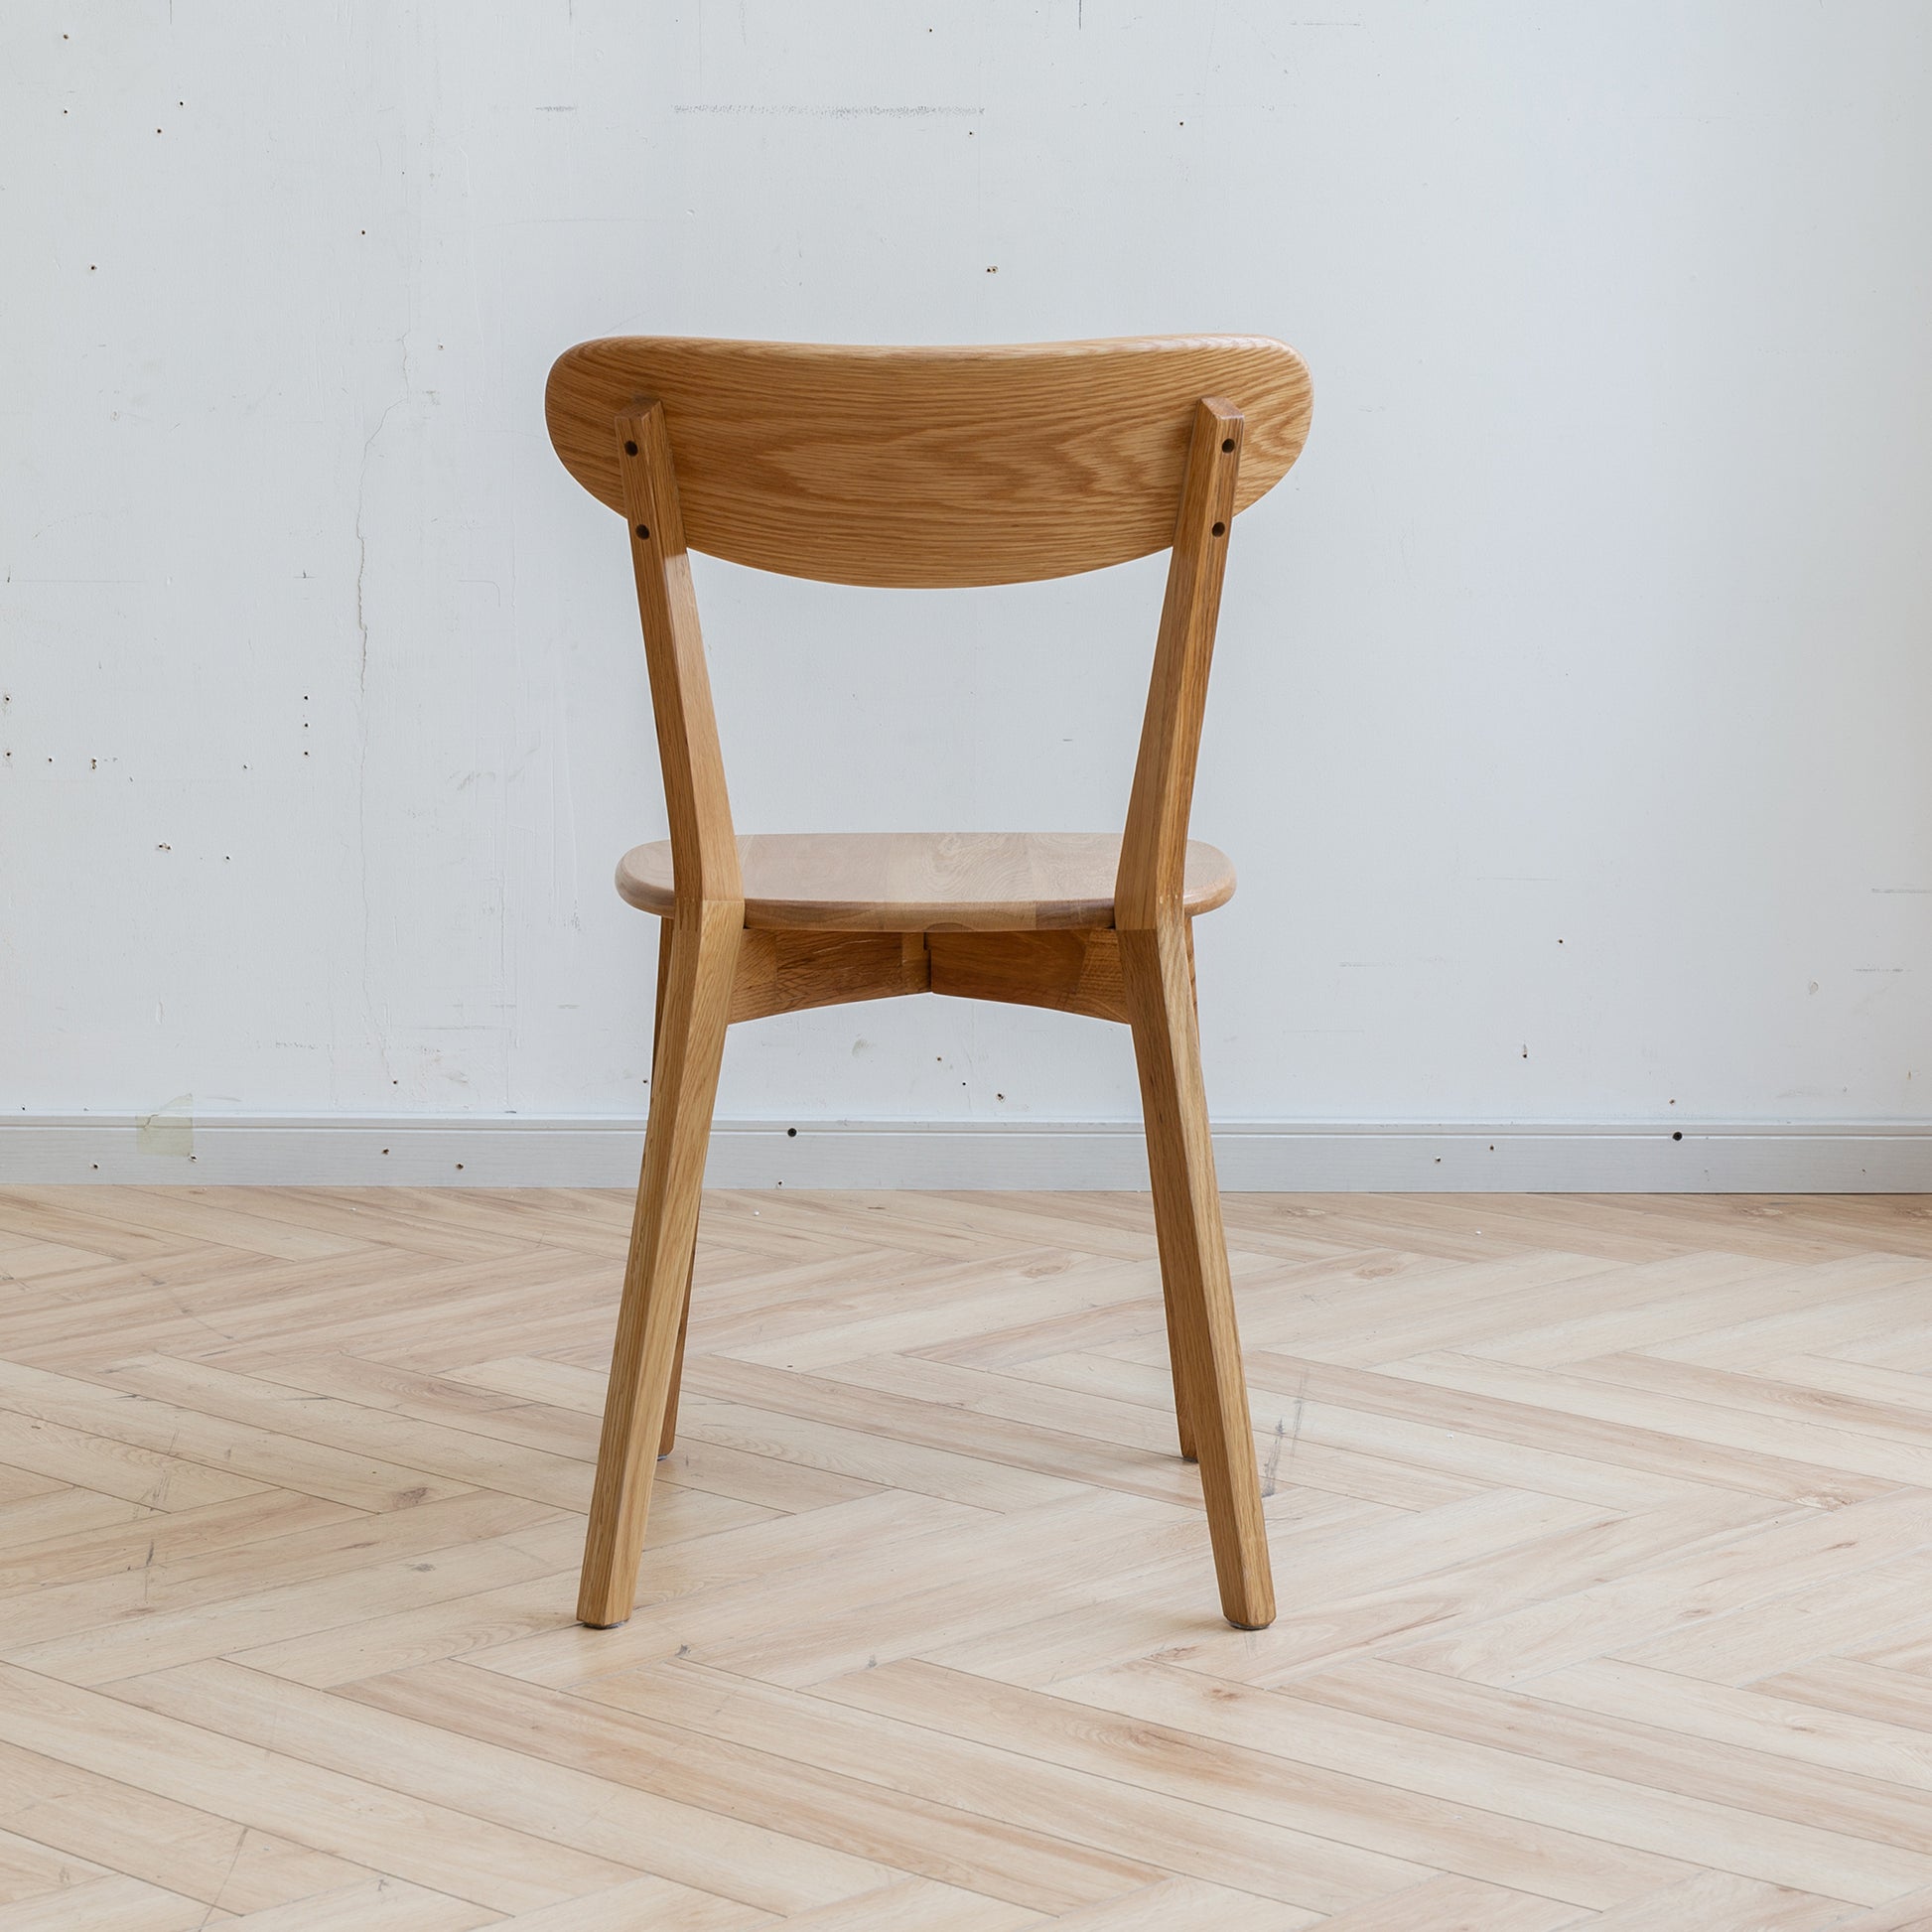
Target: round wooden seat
<point>926,882</point>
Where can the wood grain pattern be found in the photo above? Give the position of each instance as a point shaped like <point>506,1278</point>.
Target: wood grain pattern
<point>695,797</point>
<point>1070,972</point>
<point>1564,1644</point>
<point>1155,855</point>
<point>788,971</point>
<point>927,467</point>
<point>927,882</point>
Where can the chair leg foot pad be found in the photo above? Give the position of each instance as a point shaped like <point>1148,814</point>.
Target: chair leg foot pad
<point>588,1625</point>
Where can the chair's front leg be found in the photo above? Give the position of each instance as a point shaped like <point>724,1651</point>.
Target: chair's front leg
<point>684,1085</point>
<point>1211,1390</point>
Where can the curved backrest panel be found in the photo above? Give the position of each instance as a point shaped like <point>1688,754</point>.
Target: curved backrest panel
<point>928,465</point>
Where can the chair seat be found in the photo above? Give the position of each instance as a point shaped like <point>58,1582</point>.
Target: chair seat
<point>926,882</point>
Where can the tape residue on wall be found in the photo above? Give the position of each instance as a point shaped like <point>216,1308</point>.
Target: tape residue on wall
<point>168,1130</point>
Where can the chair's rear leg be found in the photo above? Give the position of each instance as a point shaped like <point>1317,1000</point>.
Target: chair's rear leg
<point>684,1085</point>
<point>1164,1233</point>
<point>667,1441</point>
<point>1210,1388</point>
<point>1177,1353</point>
<point>667,1435</point>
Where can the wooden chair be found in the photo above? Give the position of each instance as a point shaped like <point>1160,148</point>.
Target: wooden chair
<point>937,467</point>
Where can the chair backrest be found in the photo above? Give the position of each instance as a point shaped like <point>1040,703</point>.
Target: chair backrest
<point>928,467</point>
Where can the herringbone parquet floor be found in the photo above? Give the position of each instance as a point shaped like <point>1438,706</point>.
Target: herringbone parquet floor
<point>1603,1530</point>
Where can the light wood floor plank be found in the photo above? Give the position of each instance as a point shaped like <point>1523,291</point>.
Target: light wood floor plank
<point>32,1870</point>
<point>1456,1905</point>
<point>1755,1720</point>
<point>1287,1452</point>
<point>1879,1291</point>
<point>1689,1295</point>
<point>1857,1688</point>
<point>1618,1438</point>
<point>1466,1304</point>
<point>375,1905</point>
<point>154,1478</point>
<point>106,1905</point>
<point>1687,1418</point>
<point>1761,1391</point>
<point>1297,1724</point>
<point>1061,1454</point>
<point>64,1215</point>
<point>61,1515</point>
<point>1180,1835</point>
<point>24,1259</point>
<point>821,1449</point>
<point>1716,1901</point>
<point>1458,1838</point>
<point>1859,1614</point>
<point>1435,1463</point>
<point>142,1644</point>
<point>1757,1567</point>
<point>219,1220</point>
<point>1910,1915</point>
<point>1190,1905</point>
<point>1461,1596</point>
<point>106,1822</point>
<point>441,1847</point>
<point>487,1784</point>
<point>919,1905</point>
<point>203,1575</point>
<point>458,1455</point>
<point>868,1807</point>
<point>224,1449</point>
<point>644,1905</point>
<point>1849,1804</point>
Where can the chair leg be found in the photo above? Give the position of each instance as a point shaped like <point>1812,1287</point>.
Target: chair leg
<point>667,1441</point>
<point>684,1085</point>
<point>667,1435</point>
<point>1166,1229</point>
<point>1170,1275</point>
<point>1210,1388</point>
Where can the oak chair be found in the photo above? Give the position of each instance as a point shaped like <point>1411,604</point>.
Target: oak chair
<point>932,468</point>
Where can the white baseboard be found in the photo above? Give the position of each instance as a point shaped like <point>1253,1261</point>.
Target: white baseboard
<point>1261,1155</point>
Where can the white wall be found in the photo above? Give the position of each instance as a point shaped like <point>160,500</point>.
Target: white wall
<point>1571,712</point>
